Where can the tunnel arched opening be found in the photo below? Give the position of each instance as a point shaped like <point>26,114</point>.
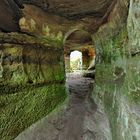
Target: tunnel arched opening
<point>78,40</point>
<point>76,61</point>
<point>80,59</point>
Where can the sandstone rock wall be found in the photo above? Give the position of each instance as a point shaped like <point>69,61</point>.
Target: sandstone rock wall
<point>117,89</point>
<point>133,26</point>
<point>32,81</point>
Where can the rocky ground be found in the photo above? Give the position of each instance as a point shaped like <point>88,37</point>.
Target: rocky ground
<point>79,120</point>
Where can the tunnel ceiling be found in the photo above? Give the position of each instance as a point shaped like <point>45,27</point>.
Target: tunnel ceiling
<point>62,15</point>
<point>90,12</point>
<point>70,9</point>
<point>74,8</point>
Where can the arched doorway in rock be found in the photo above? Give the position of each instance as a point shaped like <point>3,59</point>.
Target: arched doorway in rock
<point>78,40</point>
<point>76,61</point>
<point>83,57</point>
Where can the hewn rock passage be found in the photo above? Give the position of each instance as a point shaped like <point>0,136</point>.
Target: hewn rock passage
<point>41,34</point>
<point>80,119</point>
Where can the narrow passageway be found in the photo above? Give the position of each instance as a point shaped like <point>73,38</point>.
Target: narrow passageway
<point>69,70</point>
<point>73,123</point>
<point>80,89</point>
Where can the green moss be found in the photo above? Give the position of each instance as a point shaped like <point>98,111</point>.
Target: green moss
<point>32,80</point>
<point>55,40</point>
<point>21,109</point>
<point>110,49</point>
<point>114,53</point>
<point>117,81</point>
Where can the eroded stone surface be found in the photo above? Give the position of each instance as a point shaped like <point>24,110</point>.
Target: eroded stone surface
<point>133,26</point>
<point>117,75</point>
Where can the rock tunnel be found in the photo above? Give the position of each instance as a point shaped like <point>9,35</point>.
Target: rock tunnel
<point>41,99</point>
<point>78,40</point>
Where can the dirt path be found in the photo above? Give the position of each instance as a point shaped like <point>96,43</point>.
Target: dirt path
<point>80,89</point>
<point>78,121</point>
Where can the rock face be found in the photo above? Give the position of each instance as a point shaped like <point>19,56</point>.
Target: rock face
<point>31,81</point>
<point>10,14</point>
<point>133,26</point>
<point>117,89</point>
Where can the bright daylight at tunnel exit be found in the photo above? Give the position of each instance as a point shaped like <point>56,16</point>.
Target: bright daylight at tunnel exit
<point>69,69</point>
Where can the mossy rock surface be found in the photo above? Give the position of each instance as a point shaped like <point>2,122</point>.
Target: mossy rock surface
<point>21,109</point>
<point>32,81</point>
<point>117,85</point>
